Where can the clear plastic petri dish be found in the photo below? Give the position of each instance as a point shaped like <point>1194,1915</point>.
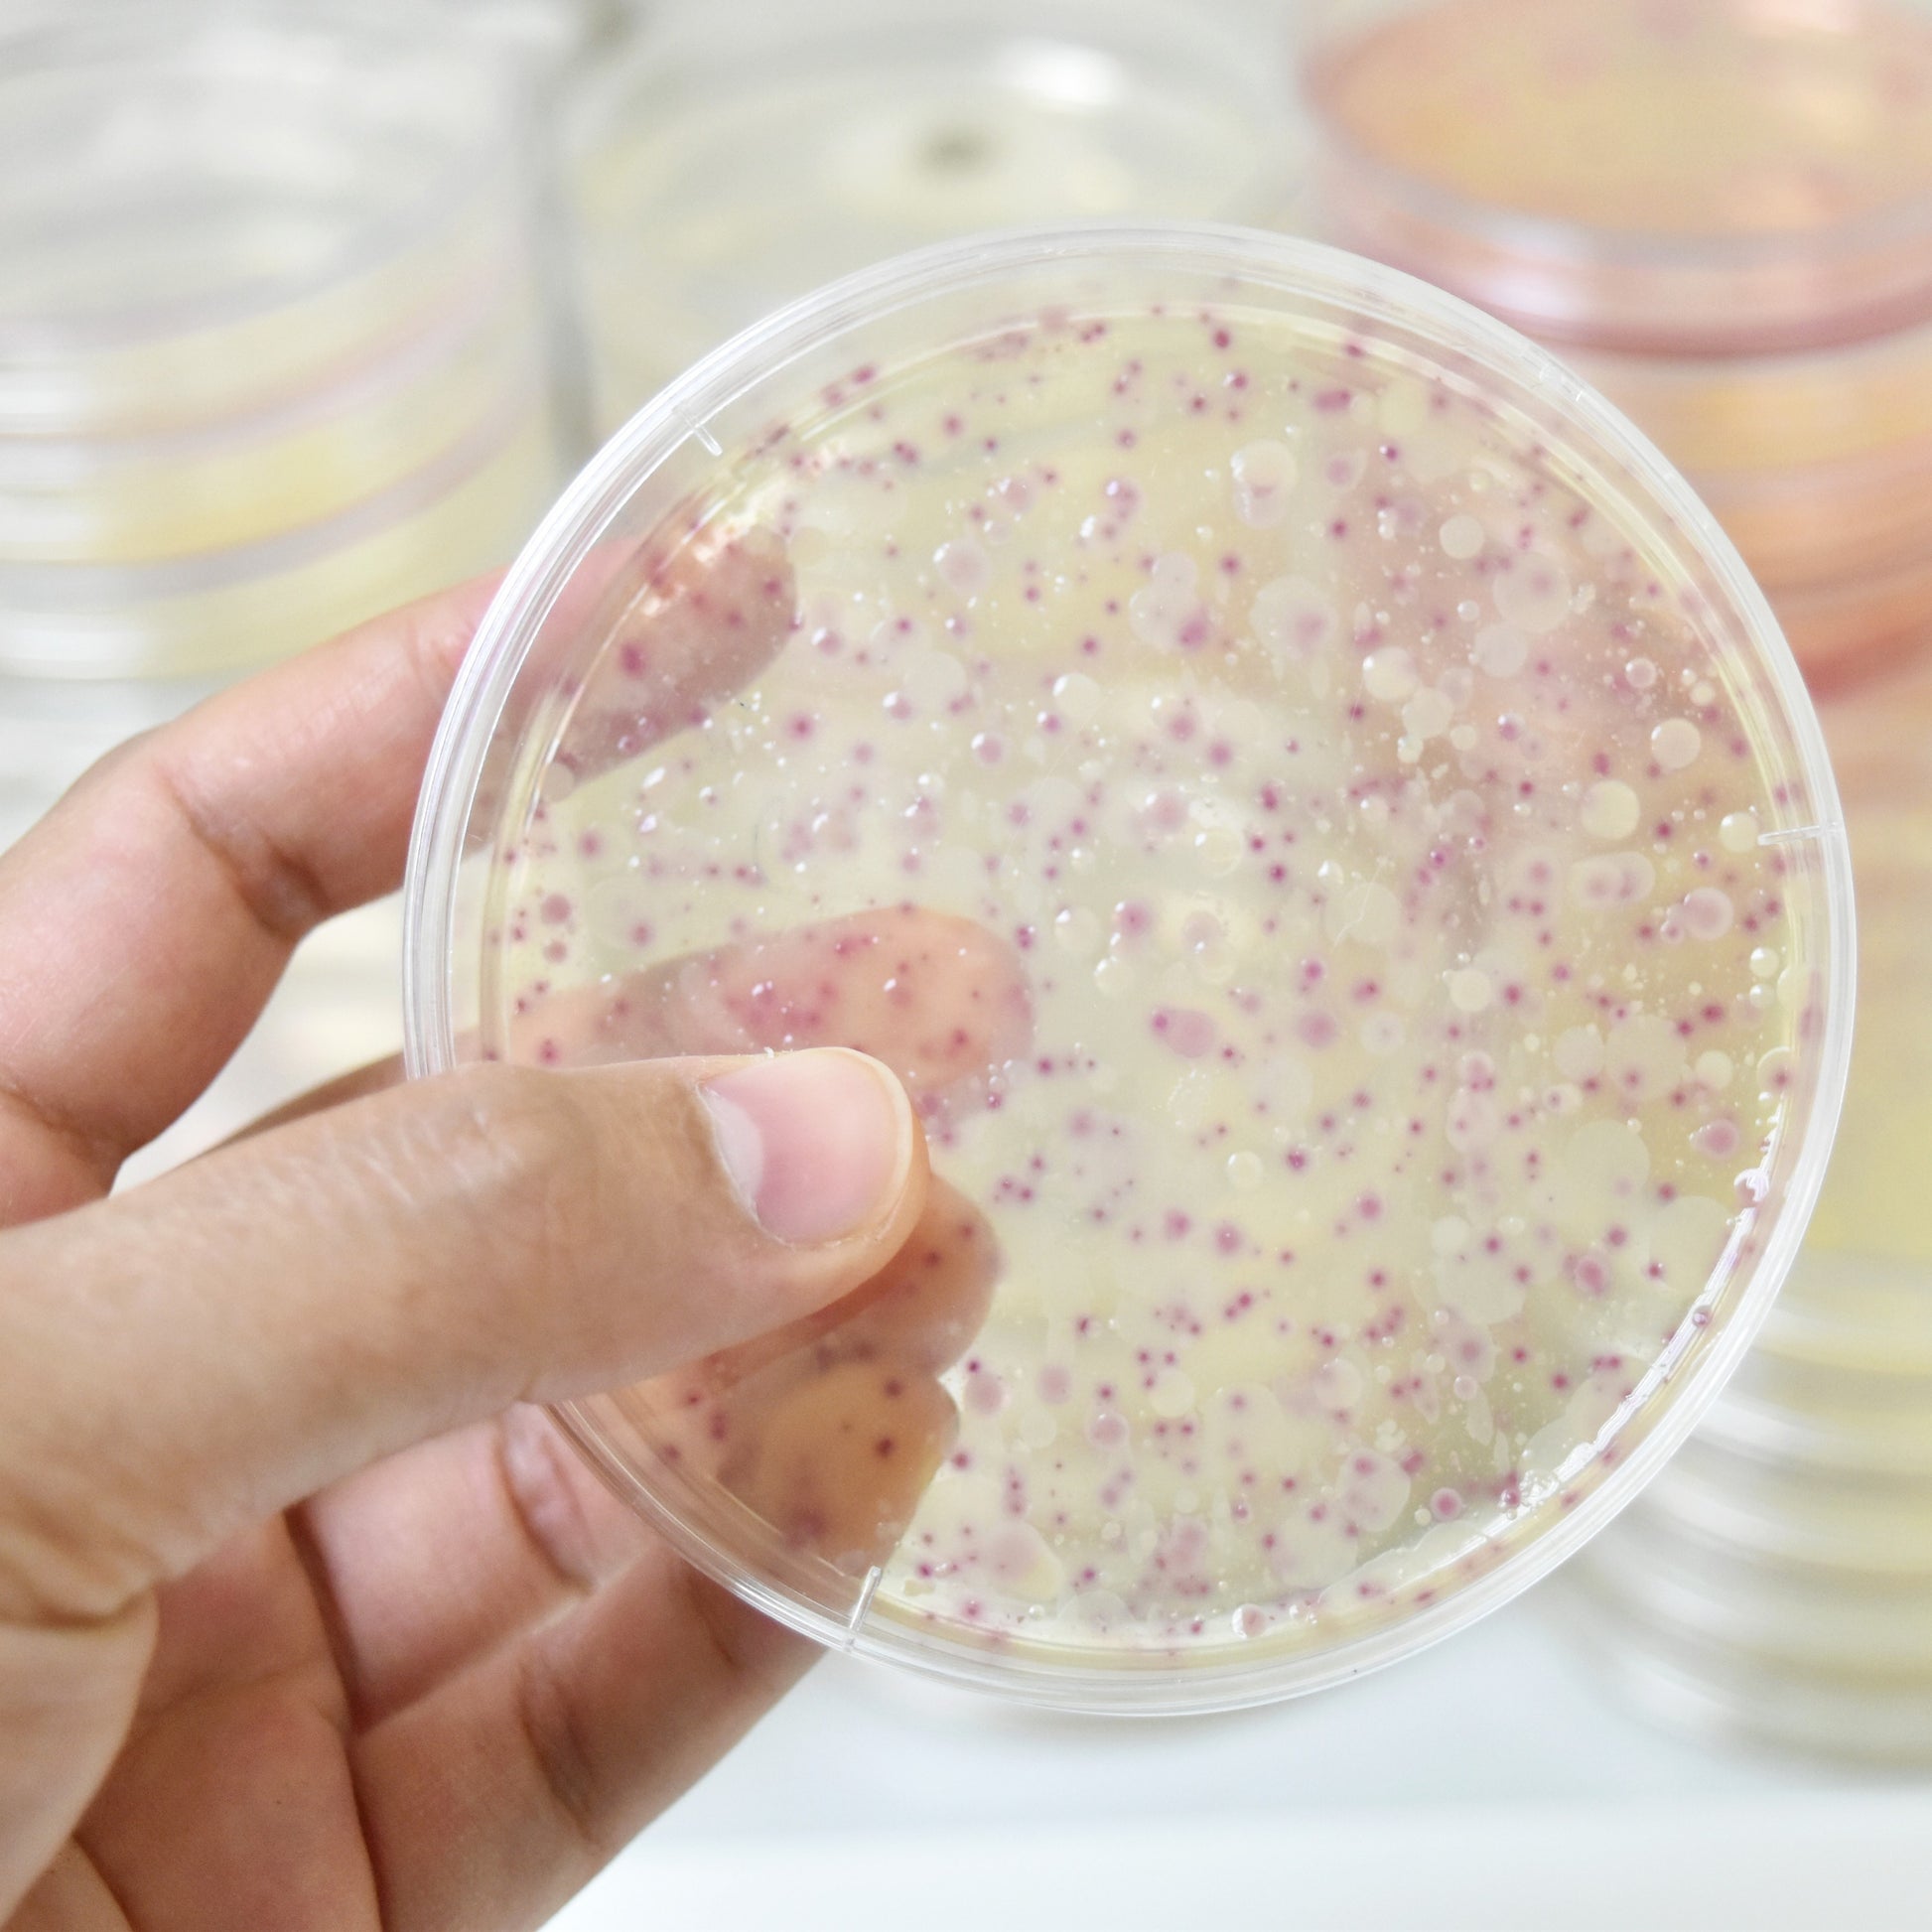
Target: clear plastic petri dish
<point>716,174</point>
<point>1718,1691</point>
<point>1844,1424</point>
<point>1847,1523</point>
<point>1780,1615</point>
<point>1732,178</point>
<point>1330,837</point>
<point>270,301</point>
<point>1725,212</point>
<point>280,194</point>
<point>176,620</point>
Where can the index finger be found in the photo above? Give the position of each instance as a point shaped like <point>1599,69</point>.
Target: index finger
<point>149,916</point>
<point>148,919</point>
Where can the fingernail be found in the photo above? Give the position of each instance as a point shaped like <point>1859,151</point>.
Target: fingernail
<point>818,1145</point>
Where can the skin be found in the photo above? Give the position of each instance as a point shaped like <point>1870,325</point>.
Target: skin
<point>307,1618</point>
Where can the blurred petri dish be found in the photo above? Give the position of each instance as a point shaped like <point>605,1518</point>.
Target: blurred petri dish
<point>1853,626</point>
<point>1723,212</point>
<point>1819,466</point>
<point>1831,1425</point>
<point>1831,1520</point>
<point>1853,1321</point>
<point>714,175</point>
<point>1822,525</point>
<point>269,333</point>
<point>1744,415</point>
<point>1783,1616</point>
<point>190,618</point>
<point>140,499</point>
<point>1334,842</point>
<point>1874,1222</point>
<point>1720,1692</point>
<point>205,210</point>
<point>1730,178</point>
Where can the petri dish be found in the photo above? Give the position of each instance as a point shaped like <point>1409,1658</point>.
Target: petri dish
<point>1875,1210</point>
<point>714,175</point>
<point>1334,844</point>
<point>1838,1423</point>
<point>1738,177</point>
<point>135,498</point>
<point>1828,1519</point>
<point>271,334</point>
<point>1791,1545</point>
<point>1723,212</point>
<point>1745,415</point>
<point>176,621</point>
<point>1819,465</point>
<point>261,207</point>
<point>1849,1321</point>
<point>1789,1617</point>
<point>1718,1691</point>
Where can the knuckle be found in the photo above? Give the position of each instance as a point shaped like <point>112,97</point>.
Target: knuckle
<point>567,1770</point>
<point>540,1483</point>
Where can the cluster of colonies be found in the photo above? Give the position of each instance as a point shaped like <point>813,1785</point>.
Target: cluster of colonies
<point>1307,864</point>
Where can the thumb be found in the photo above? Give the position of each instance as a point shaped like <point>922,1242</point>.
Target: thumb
<point>221,1342</point>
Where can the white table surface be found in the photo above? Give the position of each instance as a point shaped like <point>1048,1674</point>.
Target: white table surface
<point>1492,1782</point>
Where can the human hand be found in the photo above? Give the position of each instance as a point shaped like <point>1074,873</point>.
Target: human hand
<point>303,1621</point>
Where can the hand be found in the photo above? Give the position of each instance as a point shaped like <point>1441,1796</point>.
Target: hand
<point>302,1621</point>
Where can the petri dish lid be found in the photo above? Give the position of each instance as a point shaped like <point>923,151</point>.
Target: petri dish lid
<point>205,210</point>
<point>1733,177</point>
<point>1334,844</point>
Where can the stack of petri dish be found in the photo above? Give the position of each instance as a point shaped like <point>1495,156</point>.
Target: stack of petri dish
<point>1720,213</point>
<point>1723,215</point>
<point>1776,1582</point>
<point>1374,1082</point>
<point>271,353</point>
<point>724,168</point>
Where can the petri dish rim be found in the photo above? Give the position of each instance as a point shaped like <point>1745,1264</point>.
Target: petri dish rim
<point>511,627</point>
